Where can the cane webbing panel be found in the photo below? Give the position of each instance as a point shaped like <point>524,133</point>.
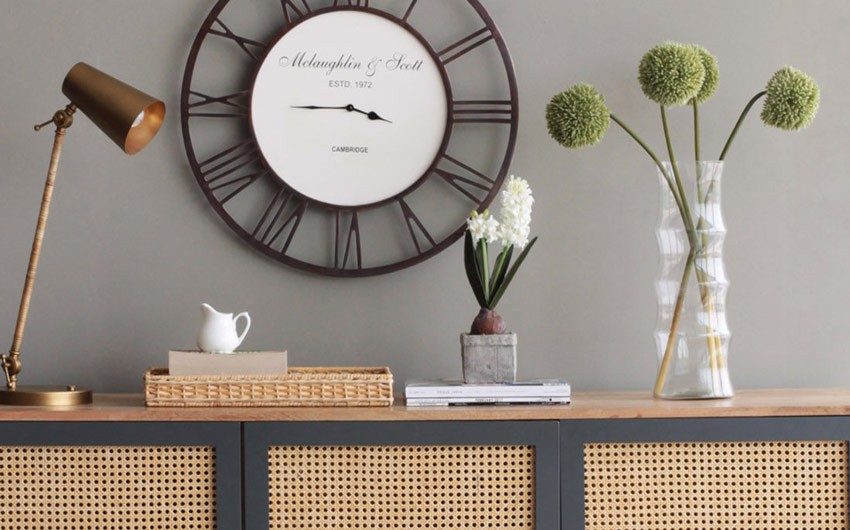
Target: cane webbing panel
<point>99,488</point>
<point>717,486</point>
<point>401,487</point>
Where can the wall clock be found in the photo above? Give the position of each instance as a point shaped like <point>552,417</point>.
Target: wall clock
<point>349,138</point>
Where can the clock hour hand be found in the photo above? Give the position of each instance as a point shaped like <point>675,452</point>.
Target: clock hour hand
<point>374,116</point>
<point>371,115</point>
<point>349,108</point>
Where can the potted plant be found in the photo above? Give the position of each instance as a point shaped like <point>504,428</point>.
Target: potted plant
<point>488,351</point>
<point>692,335</point>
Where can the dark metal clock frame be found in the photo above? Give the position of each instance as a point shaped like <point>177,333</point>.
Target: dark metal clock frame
<point>347,246</point>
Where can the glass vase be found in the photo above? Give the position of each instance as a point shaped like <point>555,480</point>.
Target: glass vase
<point>691,336</point>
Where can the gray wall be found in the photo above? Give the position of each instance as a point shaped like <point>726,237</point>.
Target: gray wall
<point>133,247</point>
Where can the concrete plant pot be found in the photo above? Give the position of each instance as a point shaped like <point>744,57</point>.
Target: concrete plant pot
<point>488,358</point>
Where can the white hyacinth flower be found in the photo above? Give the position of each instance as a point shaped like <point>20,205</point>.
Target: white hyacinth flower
<point>516,213</point>
<point>493,232</point>
<point>483,226</point>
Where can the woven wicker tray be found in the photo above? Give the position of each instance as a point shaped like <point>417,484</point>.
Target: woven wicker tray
<point>300,387</point>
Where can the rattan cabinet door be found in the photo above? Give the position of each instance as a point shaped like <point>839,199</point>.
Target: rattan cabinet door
<point>697,474</point>
<point>119,476</point>
<point>398,475</point>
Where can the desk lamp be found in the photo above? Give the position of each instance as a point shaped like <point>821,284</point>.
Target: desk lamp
<point>131,119</point>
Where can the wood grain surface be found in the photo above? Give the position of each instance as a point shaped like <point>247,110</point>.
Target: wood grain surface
<point>586,405</point>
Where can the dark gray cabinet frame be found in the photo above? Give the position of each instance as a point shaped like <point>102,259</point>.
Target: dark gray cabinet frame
<point>241,449</point>
<point>576,433</point>
<point>543,435</point>
<point>224,437</point>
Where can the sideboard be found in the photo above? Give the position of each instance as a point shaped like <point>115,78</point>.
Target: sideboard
<point>765,460</point>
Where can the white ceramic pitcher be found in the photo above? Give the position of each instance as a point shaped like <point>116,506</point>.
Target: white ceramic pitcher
<point>218,330</point>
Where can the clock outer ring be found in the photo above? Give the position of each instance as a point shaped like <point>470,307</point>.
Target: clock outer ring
<point>444,75</point>
<point>449,240</point>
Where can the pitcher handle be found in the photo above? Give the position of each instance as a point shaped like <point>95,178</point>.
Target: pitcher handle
<point>247,318</point>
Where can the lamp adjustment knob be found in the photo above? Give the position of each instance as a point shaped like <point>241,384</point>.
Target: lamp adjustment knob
<point>12,364</point>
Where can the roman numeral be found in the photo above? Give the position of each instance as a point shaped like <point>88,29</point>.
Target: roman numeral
<point>482,111</point>
<point>277,205</point>
<point>245,43</point>
<point>411,220</point>
<point>471,185</point>
<point>409,10</point>
<point>292,5</point>
<point>352,238</point>
<point>236,109</point>
<point>218,170</point>
<point>465,45</point>
<point>352,3</point>
<point>273,224</point>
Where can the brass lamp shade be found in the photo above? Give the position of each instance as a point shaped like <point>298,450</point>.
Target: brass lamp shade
<point>128,116</point>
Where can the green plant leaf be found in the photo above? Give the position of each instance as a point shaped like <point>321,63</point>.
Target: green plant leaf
<point>471,265</point>
<point>511,274</point>
<point>503,261</point>
<point>484,266</point>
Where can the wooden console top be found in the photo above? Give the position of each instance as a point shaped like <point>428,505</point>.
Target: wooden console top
<point>586,405</point>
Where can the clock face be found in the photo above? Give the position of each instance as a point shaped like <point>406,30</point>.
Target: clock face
<point>352,120</point>
<point>349,137</point>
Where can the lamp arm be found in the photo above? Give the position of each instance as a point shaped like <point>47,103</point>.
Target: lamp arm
<point>63,119</point>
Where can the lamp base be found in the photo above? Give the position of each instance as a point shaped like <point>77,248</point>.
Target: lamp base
<point>46,396</point>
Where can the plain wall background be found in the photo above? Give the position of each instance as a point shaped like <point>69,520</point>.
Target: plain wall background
<point>133,247</point>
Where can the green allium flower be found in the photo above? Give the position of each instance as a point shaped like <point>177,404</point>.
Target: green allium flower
<point>792,100</point>
<point>712,74</point>
<point>671,73</point>
<point>578,117</point>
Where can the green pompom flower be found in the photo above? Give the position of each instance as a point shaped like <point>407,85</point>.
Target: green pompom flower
<point>712,74</point>
<point>671,74</point>
<point>792,100</point>
<point>578,117</point>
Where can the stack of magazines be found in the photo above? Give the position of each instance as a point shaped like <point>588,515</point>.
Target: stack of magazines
<point>444,393</point>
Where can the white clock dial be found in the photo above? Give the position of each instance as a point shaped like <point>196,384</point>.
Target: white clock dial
<point>349,108</point>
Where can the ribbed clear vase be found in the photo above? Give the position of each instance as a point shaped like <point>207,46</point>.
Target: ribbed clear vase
<point>692,335</point>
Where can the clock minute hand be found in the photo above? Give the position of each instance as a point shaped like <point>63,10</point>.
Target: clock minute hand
<point>316,107</point>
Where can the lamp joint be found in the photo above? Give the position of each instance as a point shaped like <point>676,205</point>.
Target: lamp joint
<point>11,368</point>
<point>62,118</point>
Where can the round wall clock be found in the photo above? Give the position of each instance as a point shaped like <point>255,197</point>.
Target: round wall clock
<point>349,138</point>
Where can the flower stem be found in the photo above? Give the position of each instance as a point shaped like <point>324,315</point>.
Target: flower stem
<point>741,119</point>
<point>696,130</point>
<point>655,159</point>
<point>637,138</point>
<point>713,341</point>
<point>686,214</point>
<point>674,326</point>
